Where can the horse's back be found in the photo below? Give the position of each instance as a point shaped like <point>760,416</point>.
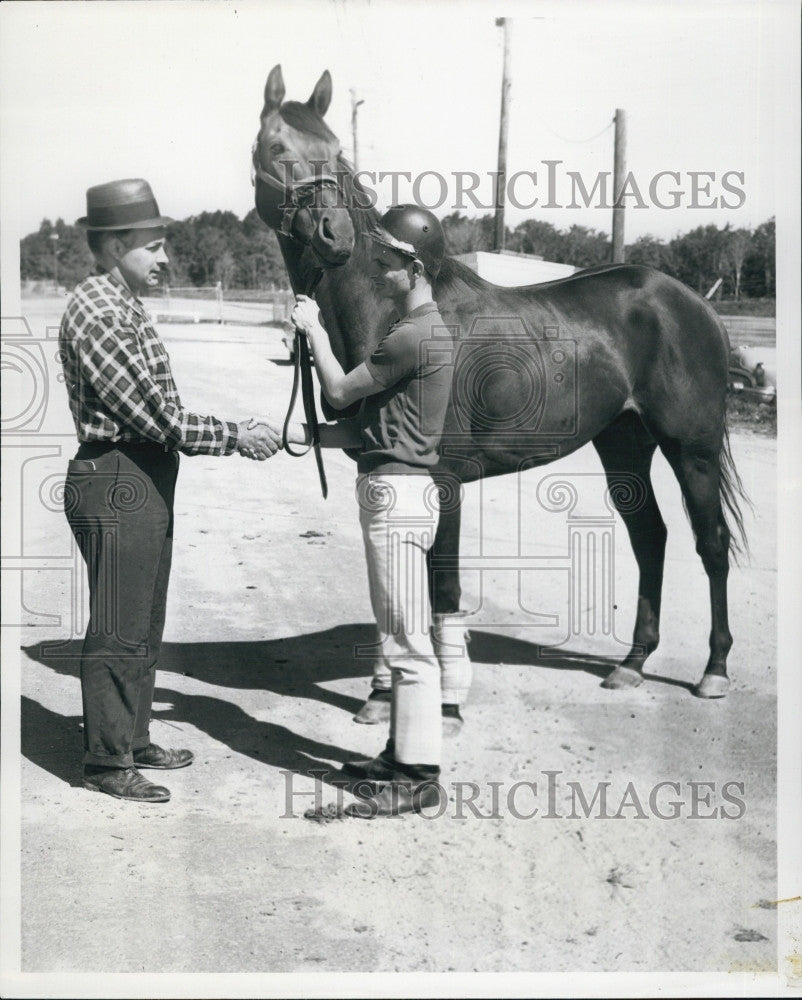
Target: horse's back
<point>617,300</point>
<point>620,335</point>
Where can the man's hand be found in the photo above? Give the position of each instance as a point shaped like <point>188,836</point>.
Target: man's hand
<point>258,440</point>
<point>305,317</point>
<point>339,388</point>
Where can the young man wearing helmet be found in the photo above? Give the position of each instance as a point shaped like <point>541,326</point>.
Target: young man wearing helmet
<point>404,387</point>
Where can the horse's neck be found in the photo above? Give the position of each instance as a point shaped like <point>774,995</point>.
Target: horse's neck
<point>352,318</point>
<point>300,265</point>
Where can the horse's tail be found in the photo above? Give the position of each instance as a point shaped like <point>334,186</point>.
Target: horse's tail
<point>731,489</point>
<point>732,493</point>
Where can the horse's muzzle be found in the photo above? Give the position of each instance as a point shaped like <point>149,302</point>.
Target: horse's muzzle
<point>333,238</point>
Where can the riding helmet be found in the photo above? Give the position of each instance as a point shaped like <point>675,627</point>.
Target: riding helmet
<point>415,232</point>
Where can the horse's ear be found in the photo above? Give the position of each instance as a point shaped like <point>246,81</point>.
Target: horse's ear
<point>274,91</point>
<point>321,95</point>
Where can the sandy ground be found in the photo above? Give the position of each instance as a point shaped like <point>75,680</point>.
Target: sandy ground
<point>268,599</point>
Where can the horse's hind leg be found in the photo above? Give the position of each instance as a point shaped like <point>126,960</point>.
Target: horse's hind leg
<point>626,449</point>
<point>698,470</point>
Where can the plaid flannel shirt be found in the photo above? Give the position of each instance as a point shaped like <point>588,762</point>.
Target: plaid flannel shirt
<point>118,375</point>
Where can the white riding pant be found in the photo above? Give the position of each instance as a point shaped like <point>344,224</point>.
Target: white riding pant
<point>398,515</point>
<point>449,640</point>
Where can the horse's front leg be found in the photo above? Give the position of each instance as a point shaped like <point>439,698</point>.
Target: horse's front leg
<point>448,624</point>
<point>442,558</point>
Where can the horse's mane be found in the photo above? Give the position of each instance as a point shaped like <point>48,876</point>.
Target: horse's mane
<point>452,273</point>
<point>363,215</point>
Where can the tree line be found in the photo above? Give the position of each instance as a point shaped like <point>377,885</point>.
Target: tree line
<point>744,259</point>
<point>219,247</point>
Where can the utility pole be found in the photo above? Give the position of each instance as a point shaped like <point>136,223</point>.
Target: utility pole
<point>501,180</point>
<point>354,105</point>
<point>619,173</point>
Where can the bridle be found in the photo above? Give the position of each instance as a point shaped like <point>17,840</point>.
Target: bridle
<point>299,196</point>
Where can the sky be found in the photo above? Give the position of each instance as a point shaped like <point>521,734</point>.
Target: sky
<point>171,91</point>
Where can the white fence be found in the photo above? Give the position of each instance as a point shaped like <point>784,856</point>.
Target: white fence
<point>214,304</point>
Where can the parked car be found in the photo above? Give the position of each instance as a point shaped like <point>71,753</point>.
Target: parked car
<point>751,376</point>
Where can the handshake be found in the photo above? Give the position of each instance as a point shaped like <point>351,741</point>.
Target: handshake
<point>258,439</point>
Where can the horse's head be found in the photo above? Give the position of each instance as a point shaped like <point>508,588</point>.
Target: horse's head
<point>296,174</point>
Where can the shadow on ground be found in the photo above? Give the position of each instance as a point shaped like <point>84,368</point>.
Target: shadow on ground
<point>488,647</point>
<point>52,741</point>
<point>293,667</point>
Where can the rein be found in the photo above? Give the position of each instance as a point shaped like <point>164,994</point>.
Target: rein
<point>302,375</point>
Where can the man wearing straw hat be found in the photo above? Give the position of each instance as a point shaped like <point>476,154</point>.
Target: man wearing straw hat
<point>120,486</point>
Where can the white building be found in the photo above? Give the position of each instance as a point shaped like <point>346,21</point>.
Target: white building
<point>510,269</point>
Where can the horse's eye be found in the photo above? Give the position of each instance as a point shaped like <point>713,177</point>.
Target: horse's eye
<point>276,148</point>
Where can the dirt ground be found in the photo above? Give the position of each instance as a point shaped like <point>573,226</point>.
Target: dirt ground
<point>268,600</point>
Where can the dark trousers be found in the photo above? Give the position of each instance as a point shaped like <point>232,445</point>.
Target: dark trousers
<point>119,504</point>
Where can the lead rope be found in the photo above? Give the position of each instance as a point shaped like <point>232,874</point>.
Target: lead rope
<point>302,375</point>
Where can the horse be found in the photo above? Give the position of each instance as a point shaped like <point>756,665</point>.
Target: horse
<point>622,357</point>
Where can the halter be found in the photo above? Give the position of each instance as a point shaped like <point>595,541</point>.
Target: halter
<point>298,195</point>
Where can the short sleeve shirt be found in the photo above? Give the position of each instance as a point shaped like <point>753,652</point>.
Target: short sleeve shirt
<point>402,424</point>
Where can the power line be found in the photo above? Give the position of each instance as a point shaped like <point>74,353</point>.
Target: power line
<point>591,138</point>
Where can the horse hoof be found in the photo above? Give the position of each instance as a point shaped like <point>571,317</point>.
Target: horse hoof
<point>452,726</point>
<point>623,677</point>
<point>373,712</point>
<point>712,686</point>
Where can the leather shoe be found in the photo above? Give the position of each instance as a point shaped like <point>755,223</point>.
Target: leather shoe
<point>397,798</point>
<point>163,760</point>
<point>378,769</point>
<point>126,783</point>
